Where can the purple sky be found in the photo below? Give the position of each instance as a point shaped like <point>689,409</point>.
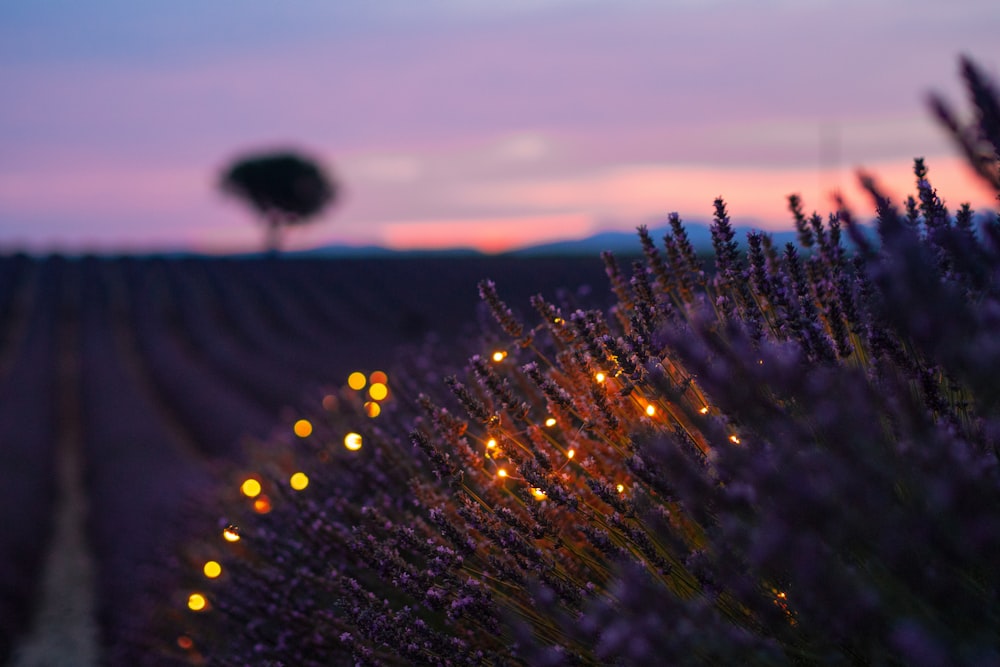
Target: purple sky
<point>466,122</point>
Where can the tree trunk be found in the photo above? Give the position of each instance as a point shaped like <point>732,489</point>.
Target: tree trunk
<point>273,239</point>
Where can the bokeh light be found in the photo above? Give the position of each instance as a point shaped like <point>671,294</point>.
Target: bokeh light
<point>600,376</point>
<point>373,409</point>
<point>356,381</point>
<point>650,410</point>
<point>550,422</point>
<point>378,377</point>
<point>538,493</point>
<point>378,391</point>
<point>212,569</point>
<point>185,642</point>
<point>231,533</point>
<point>197,602</point>
<point>499,356</point>
<point>303,428</point>
<point>250,488</point>
<point>352,441</point>
<point>330,403</point>
<point>262,505</point>
<point>299,481</point>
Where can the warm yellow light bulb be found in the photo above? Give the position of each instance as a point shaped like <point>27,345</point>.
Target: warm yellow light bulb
<point>250,488</point>
<point>357,381</point>
<point>704,410</point>
<point>600,376</point>
<point>571,453</point>
<point>650,410</point>
<point>499,356</point>
<point>303,428</point>
<point>299,481</point>
<point>378,391</point>
<point>373,409</point>
<point>212,569</point>
<point>197,602</point>
<point>231,533</point>
<point>538,493</point>
<point>621,488</point>
<point>491,443</point>
<point>352,441</point>
<point>550,422</point>
<point>501,473</point>
<point>735,440</point>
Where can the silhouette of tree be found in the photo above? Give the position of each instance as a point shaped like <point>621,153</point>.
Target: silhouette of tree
<point>284,188</point>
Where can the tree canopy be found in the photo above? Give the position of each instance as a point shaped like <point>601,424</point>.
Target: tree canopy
<point>284,188</point>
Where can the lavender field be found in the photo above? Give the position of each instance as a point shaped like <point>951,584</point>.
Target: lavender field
<point>782,454</point>
<point>153,372</point>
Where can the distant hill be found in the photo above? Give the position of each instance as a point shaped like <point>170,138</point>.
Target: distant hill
<point>627,242</point>
<point>619,242</point>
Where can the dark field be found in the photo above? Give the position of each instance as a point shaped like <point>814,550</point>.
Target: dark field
<point>145,371</point>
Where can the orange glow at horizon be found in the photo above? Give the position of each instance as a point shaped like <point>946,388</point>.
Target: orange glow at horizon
<point>572,207</point>
<point>486,234</point>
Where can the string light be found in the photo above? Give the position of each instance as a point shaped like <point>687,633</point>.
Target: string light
<point>378,377</point>
<point>262,505</point>
<point>499,356</point>
<point>250,488</point>
<point>600,376</point>
<point>501,473</point>
<point>735,440</point>
<point>378,391</point>
<point>303,428</point>
<point>538,493</point>
<point>197,602</point>
<point>352,441</point>
<point>650,410</point>
<point>373,409</point>
<point>550,422</point>
<point>357,381</point>
<point>621,488</point>
<point>299,481</point>
<point>571,453</point>
<point>231,533</point>
<point>704,410</point>
<point>212,569</point>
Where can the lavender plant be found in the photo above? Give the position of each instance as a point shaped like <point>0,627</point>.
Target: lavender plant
<point>789,458</point>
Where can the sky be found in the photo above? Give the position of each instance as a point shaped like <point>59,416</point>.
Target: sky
<point>488,124</point>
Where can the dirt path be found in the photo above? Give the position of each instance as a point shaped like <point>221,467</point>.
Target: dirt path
<point>64,631</point>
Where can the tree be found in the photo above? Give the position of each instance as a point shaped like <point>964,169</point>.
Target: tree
<point>284,188</point>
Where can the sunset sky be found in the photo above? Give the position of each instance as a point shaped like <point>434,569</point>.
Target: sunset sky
<point>467,122</point>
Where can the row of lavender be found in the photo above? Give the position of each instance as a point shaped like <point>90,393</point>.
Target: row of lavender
<point>28,432</point>
<point>794,461</point>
